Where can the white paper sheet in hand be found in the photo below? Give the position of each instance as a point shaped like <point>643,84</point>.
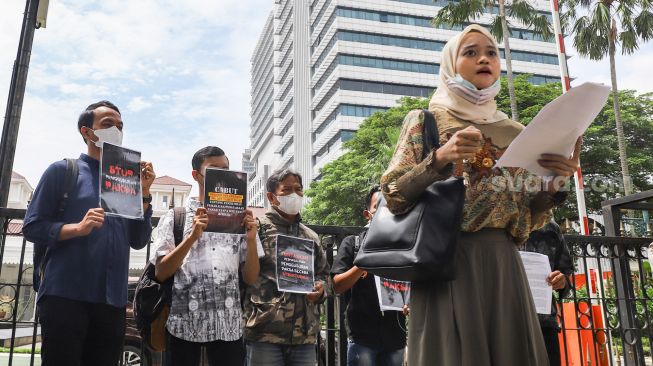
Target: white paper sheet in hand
<point>556,128</point>
<point>538,268</point>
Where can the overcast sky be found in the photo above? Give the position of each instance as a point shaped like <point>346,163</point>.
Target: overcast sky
<point>178,70</point>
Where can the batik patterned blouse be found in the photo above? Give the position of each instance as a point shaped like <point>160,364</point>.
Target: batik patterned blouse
<point>506,198</point>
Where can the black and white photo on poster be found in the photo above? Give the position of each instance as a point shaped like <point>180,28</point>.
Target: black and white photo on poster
<point>393,294</point>
<point>225,200</point>
<point>295,271</point>
<point>120,182</point>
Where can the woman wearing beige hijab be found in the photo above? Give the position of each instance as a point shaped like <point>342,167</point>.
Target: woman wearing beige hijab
<point>485,316</point>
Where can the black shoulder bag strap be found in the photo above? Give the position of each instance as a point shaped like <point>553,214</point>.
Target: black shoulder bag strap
<point>179,220</point>
<point>430,134</point>
<point>69,184</point>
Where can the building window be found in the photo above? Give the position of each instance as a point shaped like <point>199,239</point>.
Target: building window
<point>359,110</point>
<point>391,41</point>
<point>346,110</point>
<point>287,146</point>
<point>381,63</point>
<point>429,45</point>
<point>423,22</point>
<point>537,79</point>
<point>385,88</point>
<point>340,137</point>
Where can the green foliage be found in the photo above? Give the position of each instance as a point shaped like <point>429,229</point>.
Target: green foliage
<point>21,350</point>
<point>338,197</point>
<point>598,27</point>
<point>600,152</point>
<point>460,13</point>
<point>595,25</point>
<point>530,98</point>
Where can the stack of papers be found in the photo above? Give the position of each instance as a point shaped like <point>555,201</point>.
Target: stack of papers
<point>556,128</point>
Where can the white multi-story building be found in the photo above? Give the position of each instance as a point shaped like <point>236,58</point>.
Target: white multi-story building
<point>168,192</point>
<point>322,66</point>
<point>248,165</point>
<point>263,135</point>
<point>20,192</point>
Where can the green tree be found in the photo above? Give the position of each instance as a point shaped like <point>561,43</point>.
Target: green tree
<point>531,98</point>
<point>598,27</point>
<point>337,199</point>
<point>600,155</point>
<point>460,13</point>
<point>600,152</point>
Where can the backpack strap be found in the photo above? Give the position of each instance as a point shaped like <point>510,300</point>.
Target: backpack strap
<point>70,182</point>
<point>430,134</point>
<point>179,220</point>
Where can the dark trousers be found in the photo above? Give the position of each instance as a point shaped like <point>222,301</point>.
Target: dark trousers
<point>552,345</point>
<point>77,333</point>
<point>224,353</point>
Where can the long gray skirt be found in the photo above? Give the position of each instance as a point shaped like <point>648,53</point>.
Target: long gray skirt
<point>484,317</point>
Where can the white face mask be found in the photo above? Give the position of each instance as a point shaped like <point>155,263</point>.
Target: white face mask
<point>290,204</point>
<point>111,135</point>
<point>470,92</point>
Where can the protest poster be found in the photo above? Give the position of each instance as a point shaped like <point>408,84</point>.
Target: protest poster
<point>120,182</point>
<point>295,271</point>
<point>225,200</point>
<point>393,294</point>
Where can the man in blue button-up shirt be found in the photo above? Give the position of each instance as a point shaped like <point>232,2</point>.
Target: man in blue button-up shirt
<point>83,290</point>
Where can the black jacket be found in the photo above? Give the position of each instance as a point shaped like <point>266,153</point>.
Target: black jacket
<point>365,323</point>
<point>551,242</point>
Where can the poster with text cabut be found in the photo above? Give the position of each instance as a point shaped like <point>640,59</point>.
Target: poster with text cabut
<point>225,200</point>
<point>120,182</point>
<point>295,271</point>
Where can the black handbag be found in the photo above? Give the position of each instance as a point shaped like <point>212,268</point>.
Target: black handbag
<point>420,244</point>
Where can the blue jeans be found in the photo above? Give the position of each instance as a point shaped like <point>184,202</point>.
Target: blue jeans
<point>269,354</point>
<point>359,355</point>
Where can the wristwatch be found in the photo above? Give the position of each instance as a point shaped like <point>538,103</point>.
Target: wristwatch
<point>147,199</point>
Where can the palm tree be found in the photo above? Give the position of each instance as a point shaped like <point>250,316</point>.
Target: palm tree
<point>460,13</point>
<point>603,25</point>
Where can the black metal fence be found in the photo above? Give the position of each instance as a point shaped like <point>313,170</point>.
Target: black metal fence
<point>606,318</point>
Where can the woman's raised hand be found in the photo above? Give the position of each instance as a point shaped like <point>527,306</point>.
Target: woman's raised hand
<point>464,144</point>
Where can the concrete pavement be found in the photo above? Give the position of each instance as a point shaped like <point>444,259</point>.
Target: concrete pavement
<point>19,359</point>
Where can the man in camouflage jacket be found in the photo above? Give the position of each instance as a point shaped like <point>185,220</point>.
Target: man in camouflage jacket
<point>281,327</point>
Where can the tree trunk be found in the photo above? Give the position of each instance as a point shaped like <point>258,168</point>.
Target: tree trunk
<point>508,57</point>
<point>617,118</point>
